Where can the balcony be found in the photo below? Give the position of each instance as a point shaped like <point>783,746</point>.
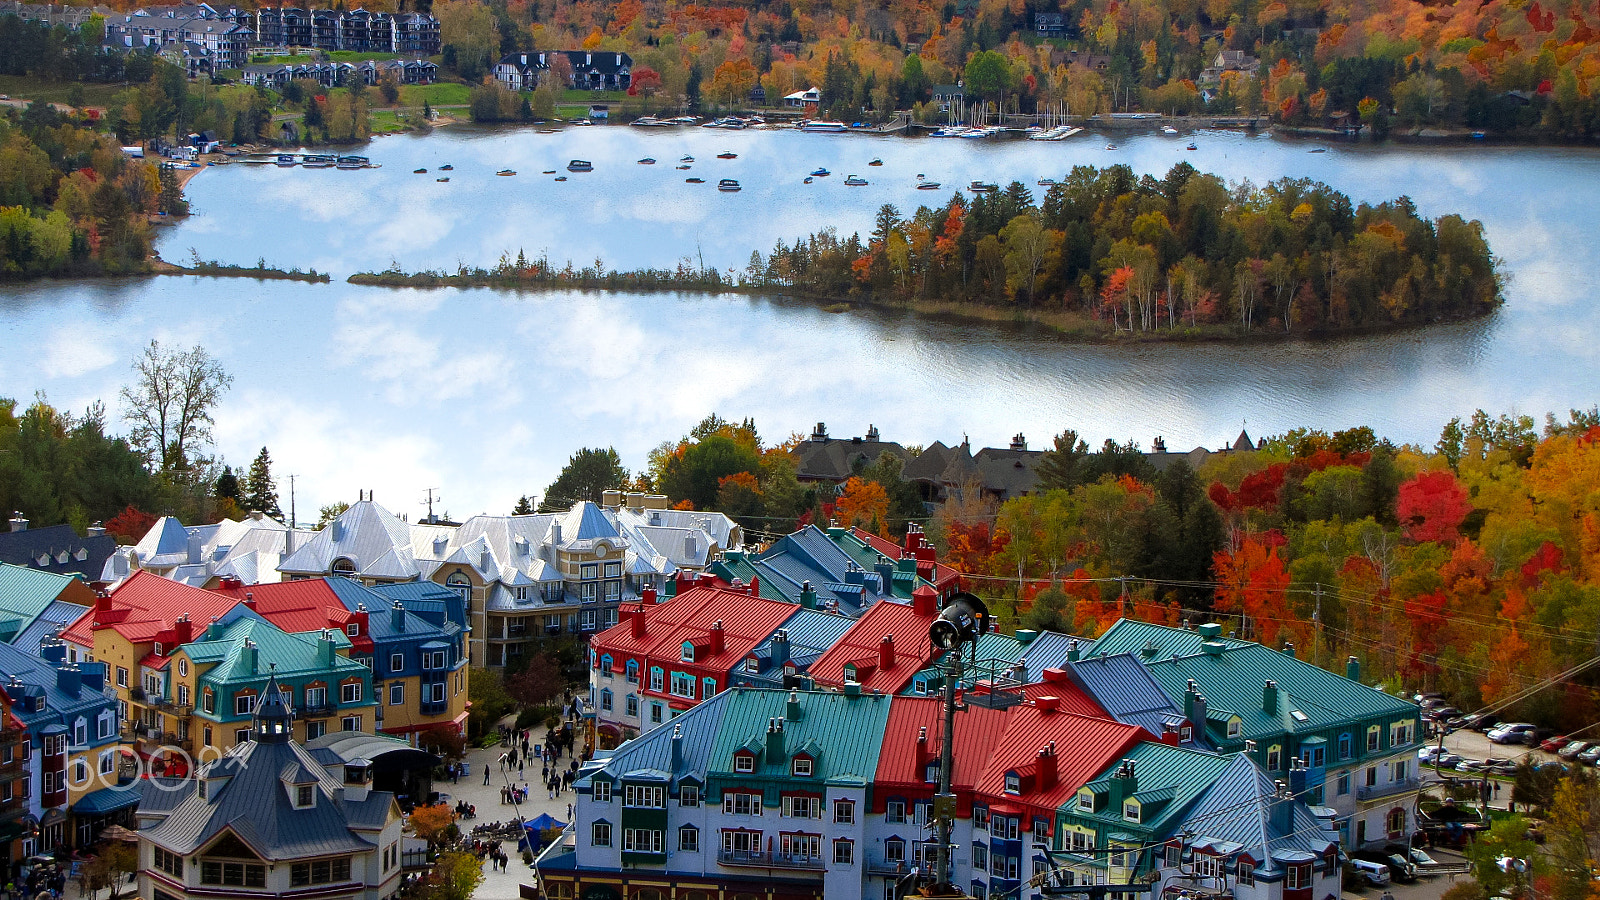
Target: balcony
<point>1379,791</point>
<point>877,865</point>
<point>318,711</point>
<point>759,859</point>
<point>136,694</point>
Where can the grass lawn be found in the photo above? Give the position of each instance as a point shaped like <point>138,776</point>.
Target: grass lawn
<point>23,87</point>
<point>437,94</point>
<point>588,97</point>
<point>385,121</point>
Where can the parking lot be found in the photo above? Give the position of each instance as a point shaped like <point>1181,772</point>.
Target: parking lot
<point>1426,887</point>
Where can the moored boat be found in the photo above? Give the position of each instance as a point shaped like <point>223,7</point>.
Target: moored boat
<point>1168,130</point>
<point>855,180</point>
<point>445,178</point>
<point>288,159</point>
<point>982,187</point>
<point>419,171</point>
<point>728,184</point>
<point>647,161</point>
<point>506,172</point>
<point>821,173</point>
<point>727,154</point>
<point>318,161</point>
<point>580,165</point>
<point>694,181</point>
<point>926,185</point>
<point>875,162</point>
<point>446,167</point>
<point>353,162</point>
<point>824,127</point>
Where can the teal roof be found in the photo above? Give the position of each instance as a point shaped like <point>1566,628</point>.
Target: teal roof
<point>842,732</point>
<point>294,656</point>
<point>24,594</point>
<point>1128,636</point>
<point>1168,780</point>
<point>1310,699</point>
<point>736,565</point>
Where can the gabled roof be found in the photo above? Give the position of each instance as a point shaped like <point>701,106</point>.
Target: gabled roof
<point>144,606</point>
<point>1048,650</point>
<point>84,556</point>
<point>944,578</point>
<point>903,759</point>
<point>277,652</point>
<point>1131,636</point>
<point>842,733</point>
<point>810,633</point>
<point>25,593</point>
<point>25,673</point>
<point>53,619</point>
<point>860,647</point>
<point>371,537</point>
<point>1235,814</point>
<point>1085,745</point>
<point>689,618</point>
<point>294,606</point>
<point>652,751</point>
<point>165,544</point>
<point>1126,690</point>
<point>1167,780</point>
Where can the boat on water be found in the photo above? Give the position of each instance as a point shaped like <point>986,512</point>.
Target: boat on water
<point>444,179</point>
<point>1168,130</point>
<point>318,161</point>
<point>545,131</point>
<point>287,159</point>
<point>446,168</point>
<point>506,172</point>
<point>1193,146</point>
<point>982,187</point>
<point>648,122</point>
<point>1047,182</point>
<point>686,159</point>
<point>561,178</point>
<point>1111,146</point>
<point>353,162</point>
<point>820,127</point>
<point>821,173</point>
<point>546,171</point>
<point>727,154</point>
<point>681,120</point>
<point>694,181</point>
<point>684,168</point>
<point>419,171</point>
<point>926,185</point>
<point>582,122</point>
<point>809,179</point>
<point>647,161</point>
<point>875,162</point>
<point>580,165</point>
<point>1319,149</point>
<point>855,181</point>
<point>728,184</point>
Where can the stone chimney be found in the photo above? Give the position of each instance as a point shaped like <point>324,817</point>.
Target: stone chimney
<point>1018,442</point>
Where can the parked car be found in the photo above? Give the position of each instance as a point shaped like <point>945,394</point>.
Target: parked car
<point>1400,867</point>
<point>1424,698</point>
<point>1373,873</point>
<point>1433,703</point>
<point>1512,733</point>
<point>1551,745</point>
<point>1448,761</point>
<point>1418,856</point>
<point>1426,754</point>
<point>1440,713</point>
<point>1573,748</point>
<point>1589,756</point>
<point>1499,766</point>
<point>1481,721</point>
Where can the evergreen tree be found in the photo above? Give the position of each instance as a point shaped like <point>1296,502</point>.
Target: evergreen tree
<point>260,492</point>
<point>1058,467</point>
<point>589,473</point>
<point>228,485</point>
<point>524,507</point>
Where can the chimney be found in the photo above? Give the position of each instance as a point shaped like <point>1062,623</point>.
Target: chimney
<point>1124,784</point>
<point>1282,813</point>
<point>360,617</point>
<point>1047,767</point>
<point>924,754</point>
<point>1047,703</point>
<point>808,595</point>
<point>97,530</point>
<point>1288,650</point>
<point>774,740</point>
<point>924,601</point>
<point>1054,676</point>
<point>183,630</point>
<point>1352,669</point>
<point>1025,636</point>
<point>1074,652</point>
<point>1018,442</point>
<point>250,600</point>
<point>1169,734</point>
<point>791,710</point>
<point>691,547</point>
<point>611,499</point>
<point>677,747</point>
<point>53,651</point>
<point>886,652</point>
<point>485,559</point>
<point>213,630</point>
<point>716,637</point>
<point>1269,698</point>
<point>1210,631</point>
<point>397,616</point>
<point>1150,649</point>
<point>1194,707</point>
<point>325,647</point>
<point>780,648</point>
<point>18,523</point>
<point>555,533</point>
<point>647,595</point>
<point>68,680</point>
<point>194,547</point>
<point>250,655</point>
<point>357,779</point>
<point>635,617</point>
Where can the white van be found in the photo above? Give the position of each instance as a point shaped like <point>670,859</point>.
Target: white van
<point>1373,873</point>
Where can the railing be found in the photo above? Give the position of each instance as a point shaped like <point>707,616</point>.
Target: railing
<point>1386,790</point>
<point>877,865</point>
<point>318,711</point>
<point>774,860</point>
<point>136,693</point>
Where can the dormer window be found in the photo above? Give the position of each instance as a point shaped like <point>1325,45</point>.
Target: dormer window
<point>1130,811</point>
<point>800,766</point>
<point>155,649</point>
<point>305,796</point>
<point>930,773</point>
<point>1013,783</point>
<point>1086,801</point>
<point>688,652</point>
<point>744,762</point>
<point>1233,728</point>
<point>850,672</point>
<point>353,629</point>
<point>753,664</point>
<point>343,566</point>
<point>1186,734</point>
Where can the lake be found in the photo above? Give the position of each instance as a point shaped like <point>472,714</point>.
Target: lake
<point>483,394</point>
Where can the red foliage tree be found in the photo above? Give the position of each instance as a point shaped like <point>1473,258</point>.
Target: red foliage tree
<point>1432,507</point>
<point>130,525</point>
<point>1254,582</point>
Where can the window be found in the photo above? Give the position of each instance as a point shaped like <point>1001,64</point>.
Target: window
<point>980,818</point>
<point>397,661</point>
<point>688,652</point>
<point>605,699</point>
<point>1233,728</point>
<point>1077,840</point>
<point>1086,801</point>
<point>1400,771</point>
<point>1004,827</point>
<point>801,765</point>
<point>434,660</point>
<point>633,671</point>
<point>689,839</point>
<point>241,735</point>
<point>600,834</point>
<point>688,795</point>
<point>682,685</point>
<point>1297,877</point>
<point>1400,734</point>
<point>894,811</point>
<point>1013,783</point>
<point>170,863</point>
<point>233,874</point>
<point>602,792</point>
<point>804,846</point>
<point>122,677</point>
<point>744,762</point>
<point>1041,829</point>
<point>655,713</point>
<point>741,804</point>
<point>656,677</point>
<point>844,853</point>
<point>183,695</point>
<point>613,570</point>
<point>104,725</point>
<point>894,850</point>
<point>589,570</point>
<point>844,812</point>
<point>643,840</point>
<point>322,871</point>
<point>740,841</point>
<point>316,697</point>
<point>802,807</point>
<point>1344,745</point>
<point>1274,758</point>
<point>353,629</point>
<point>315,730</point>
<point>1342,784</point>
<point>644,796</point>
<point>708,688</point>
<point>243,704</point>
<point>633,706</point>
<point>183,666</point>
<point>108,762</point>
<point>351,723</point>
<point>397,693</point>
<point>304,796</point>
<point>350,693</point>
<point>1372,776</point>
<point>1372,739</point>
<point>980,858</point>
<point>1245,873</point>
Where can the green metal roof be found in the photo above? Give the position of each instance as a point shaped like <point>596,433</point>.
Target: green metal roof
<point>1129,636</point>
<point>735,564</point>
<point>25,592</point>
<point>296,656</point>
<point>842,732</point>
<point>994,646</point>
<point>1168,780</point>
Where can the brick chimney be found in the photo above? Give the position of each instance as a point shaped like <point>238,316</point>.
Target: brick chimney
<point>183,630</point>
<point>647,594</point>
<point>250,600</point>
<point>925,602</point>
<point>886,652</point>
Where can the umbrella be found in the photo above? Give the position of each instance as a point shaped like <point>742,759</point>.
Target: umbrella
<point>544,822</point>
<point>118,833</point>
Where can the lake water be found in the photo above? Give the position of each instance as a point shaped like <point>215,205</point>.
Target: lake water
<point>483,394</point>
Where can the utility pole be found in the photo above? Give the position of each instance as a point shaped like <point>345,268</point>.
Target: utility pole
<point>1316,623</point>
<point>944,803</point>
<point>431,497</point>
<point>291,501</point>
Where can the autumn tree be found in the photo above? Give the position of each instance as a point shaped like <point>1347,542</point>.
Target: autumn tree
<point>539,682</point>
<point>864,503</point>
<point>433,823</point>
<point>1432,506</point>
<point>170,403</point>
<point>1252,582</point>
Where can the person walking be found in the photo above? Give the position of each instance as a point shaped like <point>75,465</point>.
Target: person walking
<point>486,775</point>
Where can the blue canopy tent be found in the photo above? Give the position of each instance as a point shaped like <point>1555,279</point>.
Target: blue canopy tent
<point>532,830</point>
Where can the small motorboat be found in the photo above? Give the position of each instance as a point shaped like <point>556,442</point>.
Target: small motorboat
<point>727,154</point>
<point>683,168</point>
<point>549,171</point>
<point>1111,146</point>
<point>875,162</point>
<point>1192,146</point>
<point>821,173</point>
<point>419,171</point>
<point>982,187</point>
<point>289,159</point>
<point>686,159</point>
<point>446,178</point>
<point>926,185</point>
<point>855,181</point>
<point>1168,130</point>
<point>1319,149</point>
<point>728,184</point>
<point>506,172</point>
<point>561,178</point>
<point>318,161</point>
<point>546,131</point>
<point>694,181</point>
<point>580,165</point>
<point>809,179</point>
<point>447,168</point>
<point>647,161</point>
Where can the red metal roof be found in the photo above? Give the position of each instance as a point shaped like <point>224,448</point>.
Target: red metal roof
<point>903,759</point>
<point>1084,745</point>
<point>944,578</point>
<point>1069,697</point>
<point>688,618</point>
<point>143,609</point>
<point>295,606</point>
<point>862,644</point>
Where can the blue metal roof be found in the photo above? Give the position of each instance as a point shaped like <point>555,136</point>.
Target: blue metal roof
<point>652,751</point>
<point>106,800</point>
<point>1125,689</point>
<point>1048,651</point>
